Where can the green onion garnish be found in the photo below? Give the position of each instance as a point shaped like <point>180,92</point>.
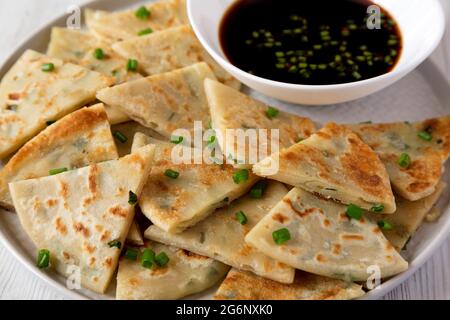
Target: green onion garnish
<point>404,161</point>
<point>132,198</point>
<point>99,54</point>
<point>115,244</point>
<point>148,258</point>
<point>145,32</point>
<point>240,176</point>
<point>171,174</point>
<point>377,208</point>
<point>385,225</point>
<point>132,65</point>
<point>56,171</point>
<point>241,217</point>
<point>143,13</point>
<point>176,140</point>
<point>43,259</point>
<point>272,112</point>
<point>48,67</point>
<point>354,212</point>
<point>131,254</point>
<point>258,190</point>
<point>211,140</point>
<point>281,236</point>
<point>162,259</point>
<point>120,136</point>
<point>425,136</point>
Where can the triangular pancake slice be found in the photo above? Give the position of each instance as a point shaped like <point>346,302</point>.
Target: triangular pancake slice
<point>77,140</point>
<point>221,236</point>
<point>164,102</point>
<point>117,26</point>
<point>317,236</point>
<point>426,143</point>
<point>79,47</point>
<point>408,217</point>
<point>78,215</point>
<point>240,285</point>
<point>31,96</point>
<point>186,273</point>
<point>174,204</point>
<point>335,164</point>
<point>231,109</point>
<point>169,50</point>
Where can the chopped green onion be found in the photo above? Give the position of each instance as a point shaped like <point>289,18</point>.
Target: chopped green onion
<point>132,198</point>
<point>279,66</point>
<point>145,32</point>
<point>377,208</point>
<point>211,140</point>
<point>258,189</point>
<point>392,42</point>
<point>354,212</point>
<point>404,161</point>
<point>43,259</point>
<point>48,67</point>
<point>131,254</point>
<point>132,65</point>
<point>115,244</point>
<point>385,225</point>
<point>272,112</point>
<point>99,54</point>
<point>162,259</point>
<point>279,54</point>
<point>240,176</point>
<point>424,135</point>
<point>143,13</point>
<point>56,171</point>
<point>120,136</point>
<point>241,217</point>
<point>148,258</point>
<point>281,236</point>
<point>176,139</point>
<point>171,174</point>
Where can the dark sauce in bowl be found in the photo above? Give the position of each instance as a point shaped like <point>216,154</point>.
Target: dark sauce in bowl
<point>318,42</point>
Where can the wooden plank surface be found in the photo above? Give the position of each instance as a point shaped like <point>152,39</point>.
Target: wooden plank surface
<point>19,18</point>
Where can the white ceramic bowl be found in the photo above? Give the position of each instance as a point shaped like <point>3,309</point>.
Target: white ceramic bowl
<point>422,25</point>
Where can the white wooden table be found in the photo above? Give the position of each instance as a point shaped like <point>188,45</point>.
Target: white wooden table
<point>18,18</point>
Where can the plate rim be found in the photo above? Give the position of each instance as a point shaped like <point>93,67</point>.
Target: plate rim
<point>7,62</point>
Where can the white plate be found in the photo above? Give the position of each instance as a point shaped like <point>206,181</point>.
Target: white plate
<point>423,94</point>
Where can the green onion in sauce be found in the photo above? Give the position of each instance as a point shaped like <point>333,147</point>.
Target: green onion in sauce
<point>331,39</point>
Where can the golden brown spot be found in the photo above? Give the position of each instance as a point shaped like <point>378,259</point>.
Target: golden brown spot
<point>326,223</point>
<point>14,96</point>
<point>52,202</point>
<point>376,230</point>
<point>280,218</point>
<point>389,246</point>
<point>118,211</point>
<point>80,228</point>
<point>92,261</point>
<point>301,214</point>
<point>321,258</point>
<point>60,226</point>
<point>90,249</point>
<point>133,281</point>
<point>108,262</point>
<point>337,249</point>
<point>352,237</point>
<point>95,279</point>
<point>105,235</point>
<point>135,158</point>
<point>92,179</point>
<point>66,255</point>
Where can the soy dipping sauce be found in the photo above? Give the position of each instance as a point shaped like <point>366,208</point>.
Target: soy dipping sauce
<point>316,42</point>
